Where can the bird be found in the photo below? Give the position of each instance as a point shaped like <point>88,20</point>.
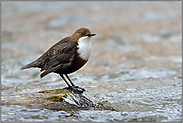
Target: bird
<point>66,56</point>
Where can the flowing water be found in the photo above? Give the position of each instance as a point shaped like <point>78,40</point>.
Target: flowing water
<point>133,75</point>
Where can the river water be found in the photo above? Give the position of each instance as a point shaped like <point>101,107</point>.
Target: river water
<point>135,65</point>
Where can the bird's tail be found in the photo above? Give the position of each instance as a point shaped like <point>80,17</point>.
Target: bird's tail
<point>32,64</point>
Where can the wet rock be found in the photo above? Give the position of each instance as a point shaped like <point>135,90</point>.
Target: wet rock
<point>59,99</point>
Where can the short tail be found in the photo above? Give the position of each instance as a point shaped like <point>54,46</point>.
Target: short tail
<point>27,66</point>
<point>32,64</point>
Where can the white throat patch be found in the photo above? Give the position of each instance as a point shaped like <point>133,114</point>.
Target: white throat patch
<point>84,47</point>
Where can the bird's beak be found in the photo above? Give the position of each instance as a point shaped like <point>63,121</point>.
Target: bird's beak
<point>91,34</point>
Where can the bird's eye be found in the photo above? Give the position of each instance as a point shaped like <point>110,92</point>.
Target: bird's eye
<point>82,33</point>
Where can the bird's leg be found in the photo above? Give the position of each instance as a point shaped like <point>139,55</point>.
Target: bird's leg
<point>76,89</point>
<point>69,80</point>
<point>65,80</point>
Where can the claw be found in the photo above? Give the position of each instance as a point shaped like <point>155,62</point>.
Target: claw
<point>76,89</point>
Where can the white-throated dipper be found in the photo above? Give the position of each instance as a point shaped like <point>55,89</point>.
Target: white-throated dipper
<point>66,56</point>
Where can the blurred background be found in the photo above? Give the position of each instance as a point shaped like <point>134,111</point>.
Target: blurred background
<point>135,63</point>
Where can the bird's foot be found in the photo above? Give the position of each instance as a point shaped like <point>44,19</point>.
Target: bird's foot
<point>76,89</point>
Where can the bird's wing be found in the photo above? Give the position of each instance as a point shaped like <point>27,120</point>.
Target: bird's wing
<point>61,55</point>
<point>61,47</point>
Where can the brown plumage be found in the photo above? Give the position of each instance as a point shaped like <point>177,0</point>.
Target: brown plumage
<point>63,57</point>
